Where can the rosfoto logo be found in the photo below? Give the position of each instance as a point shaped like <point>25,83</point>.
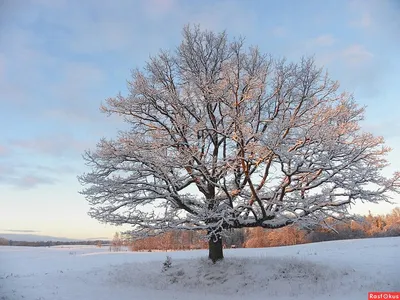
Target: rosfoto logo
<point>384,295</point>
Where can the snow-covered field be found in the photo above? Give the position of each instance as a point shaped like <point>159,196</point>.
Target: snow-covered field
<point>330,270</point>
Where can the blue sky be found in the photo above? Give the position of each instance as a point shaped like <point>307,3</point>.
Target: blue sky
<point>60,59</point>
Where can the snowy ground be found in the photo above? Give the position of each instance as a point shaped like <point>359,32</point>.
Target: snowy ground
<point>329,270</point>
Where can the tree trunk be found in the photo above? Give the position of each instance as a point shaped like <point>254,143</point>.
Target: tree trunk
<point>215,249</point>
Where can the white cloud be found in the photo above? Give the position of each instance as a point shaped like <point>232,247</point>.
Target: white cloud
<point>323,40</point>
<point>82,75</point>
<point>159,7</point>
<point>240,19</point>
<point>378,17</point>
<point>92,37</point>
<point>356,54</point>
<point>279,31</point>
<point>20,230</point>
<point>364,21</point>
<point>57,145</point>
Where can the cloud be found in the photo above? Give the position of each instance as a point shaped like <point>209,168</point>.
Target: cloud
<point>40,161</point>
<point>23,65</point>
<point>98,238</point>
<point>31,181</point>
<point>356,54</point>
<point>77,95</point>
<point>359,70</point>
<point>54,145</point>
<point>55,62</point>
<point>26,181</point>
<point>60,169</point>
<point>159,7</point>
<point>29,175</point>
<point>220,15</point>
<point>82,75</point>
<point>363,13</point>
<point>104,33</point>
<point>60,61</point>
<point>7,168</point>
<point>378,17</point>
<point>93,28</point>
<point>4,151</point>
<point>114,37</point>
<point>323,40</point>
<point>279,31</point>
<point>364,21</point>
<point>352,57</point>
<point>390,128</point>
<point>30,164</point>
<point>21,230</point>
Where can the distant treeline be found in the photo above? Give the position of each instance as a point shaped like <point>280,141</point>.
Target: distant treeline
<point>360,227</point>
<point>6,242</point>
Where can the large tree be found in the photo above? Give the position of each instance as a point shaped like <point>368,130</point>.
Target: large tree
<point>222,136</point>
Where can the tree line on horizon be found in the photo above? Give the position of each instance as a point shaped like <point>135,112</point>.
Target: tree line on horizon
<point>361,227</point>
<point>368,226</point>
<point>8,242</point>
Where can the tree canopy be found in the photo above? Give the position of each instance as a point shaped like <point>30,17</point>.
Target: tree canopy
<point>222,136</point>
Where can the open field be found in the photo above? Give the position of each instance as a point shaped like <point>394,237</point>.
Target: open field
<point>329,270</point>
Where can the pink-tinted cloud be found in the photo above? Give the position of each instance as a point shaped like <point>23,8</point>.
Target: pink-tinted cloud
<point>26,181</point>
<point>56,145</point>
<point>4,151</point>
<point>31,181</point>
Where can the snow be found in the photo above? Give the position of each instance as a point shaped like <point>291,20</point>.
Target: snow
<point>329,270</point>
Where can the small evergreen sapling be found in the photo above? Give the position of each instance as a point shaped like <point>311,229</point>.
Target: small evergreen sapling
<point>167,263</point>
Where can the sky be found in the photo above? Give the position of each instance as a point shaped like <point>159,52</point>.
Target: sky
<point>60,59</point>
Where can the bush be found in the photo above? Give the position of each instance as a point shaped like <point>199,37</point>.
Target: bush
<point>167,263</point>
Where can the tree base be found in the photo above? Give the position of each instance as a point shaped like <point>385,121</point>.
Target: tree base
<point>215,249</point>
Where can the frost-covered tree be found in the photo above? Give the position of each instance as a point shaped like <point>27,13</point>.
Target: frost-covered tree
<point>222,136</point>
<point>116,243</point>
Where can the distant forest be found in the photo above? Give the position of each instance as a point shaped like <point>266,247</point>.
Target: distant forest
<point>7,242</point>
<point>360,227</point>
